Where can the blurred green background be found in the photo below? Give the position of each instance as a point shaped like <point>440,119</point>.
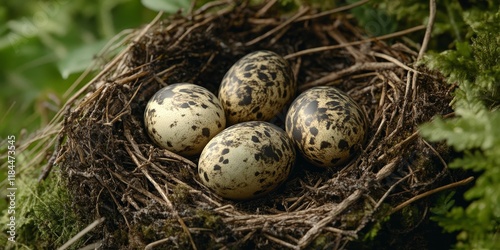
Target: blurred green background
<point>46,44</point>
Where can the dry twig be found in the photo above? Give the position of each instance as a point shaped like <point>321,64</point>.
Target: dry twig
<point>431,192</point>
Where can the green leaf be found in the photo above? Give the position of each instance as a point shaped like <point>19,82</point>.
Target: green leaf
<point>168,6</point>
<point>79,59</point>
<point>473,160</point>
<point>457,132</point>
<point>475,127</point>
<point>443,204</point>
<point>464,49</point>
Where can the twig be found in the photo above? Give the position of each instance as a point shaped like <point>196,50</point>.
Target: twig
<point>359,66</point>
<point>428,32</point>
<point>405,100</point>
<point>431,192</point>
<point>82,233</point>
<point>333,47</point>
<point>386,170</point>
<point>279,27</point>
<point>399,145</point>
<point>279,35</point>
<point>190,29</point>
<point>367,217</point>
<point>335,34</point>
<point>155,184</point>
<point>379,128</point>
<point>266,7</point>
<point>329,12</point>
<point>164,196</point>
<point>209,5</point>
<point>175,157</point>
<point>393,60</point>
<point>46,170</point>
<point>160,170</point>
<point>342,232</point>
<point>125,109</point>
<point>281,242</point>
<point>140,190</point>
<point>386,194</point>
<point>93,246</point>
<point>425,42</point>
<point>154,244</point>
<point>204,67</point>
<point>316,229</point>
<point>131,77</point>
<point>437,154</point>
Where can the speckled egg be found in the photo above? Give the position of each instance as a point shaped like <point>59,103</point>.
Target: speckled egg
<point>246,160</point>
<point>257,87</point>
<point>327,126</point>
<point>183,117</point>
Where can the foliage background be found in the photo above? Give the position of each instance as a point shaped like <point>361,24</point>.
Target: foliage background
<point>45,45</point>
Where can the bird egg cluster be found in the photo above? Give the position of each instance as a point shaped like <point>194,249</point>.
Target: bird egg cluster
<point>252,157</point>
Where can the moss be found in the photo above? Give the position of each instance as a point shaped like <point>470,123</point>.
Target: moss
<point>351,219</point>
<point>323,241</point>
<point>180,195</point>
<point>148,232</point>
<point>209,219</point>
<point>120,236</point>
<point>42,215</point>
<point>411,216</point>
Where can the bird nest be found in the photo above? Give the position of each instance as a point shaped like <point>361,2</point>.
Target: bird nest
<point>146,196</point>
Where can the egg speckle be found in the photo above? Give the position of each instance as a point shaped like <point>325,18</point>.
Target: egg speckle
<point>327,126</point>
<point>257,87</point>
<point>183,117</point>
<point>246,160</point>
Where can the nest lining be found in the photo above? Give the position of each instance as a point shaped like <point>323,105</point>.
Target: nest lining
<point>151,197</point>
